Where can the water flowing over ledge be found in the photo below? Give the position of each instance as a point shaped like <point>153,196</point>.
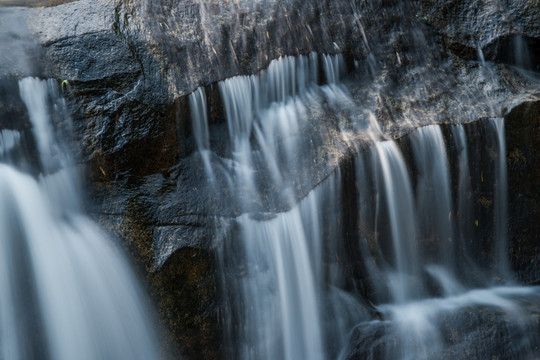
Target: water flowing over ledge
<point>67,292</point>
<point>415,232</point>
<point>244,185</point>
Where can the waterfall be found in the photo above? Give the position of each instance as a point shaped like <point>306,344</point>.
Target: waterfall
<point>464,236</point>
<point>433,193</point>
<point>67,291</point>
<point>199,121</point>
<point>481,57</point>
<point>421,286</point>
<point>278,257</point>
<point>522,57</point>
<point>285,264</point>
<point>281,290</point>
<point>397,191</point>
<point>500,209</point>
<point>333,66</point>
<point>9,139</point>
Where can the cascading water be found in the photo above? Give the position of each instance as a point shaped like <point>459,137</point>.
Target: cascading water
<point>278,257</point>
<point>500,208</point>
<point>433,198</point>
<point>464,211</point>
<point>197,102</point>
<point>436,298</point>
<point>348,224</point>
<point>66,290</point>
<point>286,297</point>
<point>399,204</point>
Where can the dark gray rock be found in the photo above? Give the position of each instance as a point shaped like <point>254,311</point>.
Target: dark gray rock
<point>523,161</point>
<point>491,26</point>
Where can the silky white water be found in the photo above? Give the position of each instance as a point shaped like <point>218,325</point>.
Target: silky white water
<point>399,204</point>
<point>501,200</point>
<point>199,120</point>
<point>281,281</point>
<point>433,197</point>
<point>286,264</point>
<point>427,277</point>
<point>67,290</point>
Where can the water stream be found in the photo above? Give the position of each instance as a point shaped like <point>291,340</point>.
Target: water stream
<point>424,282</point>
<point>287,293</point>
<point>68,292</point>
<point>281,281</point>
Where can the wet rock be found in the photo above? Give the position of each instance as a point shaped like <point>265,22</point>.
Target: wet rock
<point>121,114</point>
<point>470,333</point>
<point>493,27</point>
<point>523,161</point>
<point>186,287</point>
<point>177,264</point>
<point>128,61</point>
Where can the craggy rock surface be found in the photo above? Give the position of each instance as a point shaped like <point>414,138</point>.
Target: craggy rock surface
<point>492,26</point>
<point>131,63</point>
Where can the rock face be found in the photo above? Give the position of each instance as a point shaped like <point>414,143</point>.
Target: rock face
<point>131,64</point>
<point>523,139</point>
<point>500,29</point>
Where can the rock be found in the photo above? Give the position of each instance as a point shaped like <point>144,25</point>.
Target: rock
<point>493,27</point>
<point>128,61</point>
<point>471,333</point>
<point>121,114</point>
<point>523,162</point>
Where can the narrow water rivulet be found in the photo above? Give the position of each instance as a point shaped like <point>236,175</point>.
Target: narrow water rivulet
<point>67,291</point>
